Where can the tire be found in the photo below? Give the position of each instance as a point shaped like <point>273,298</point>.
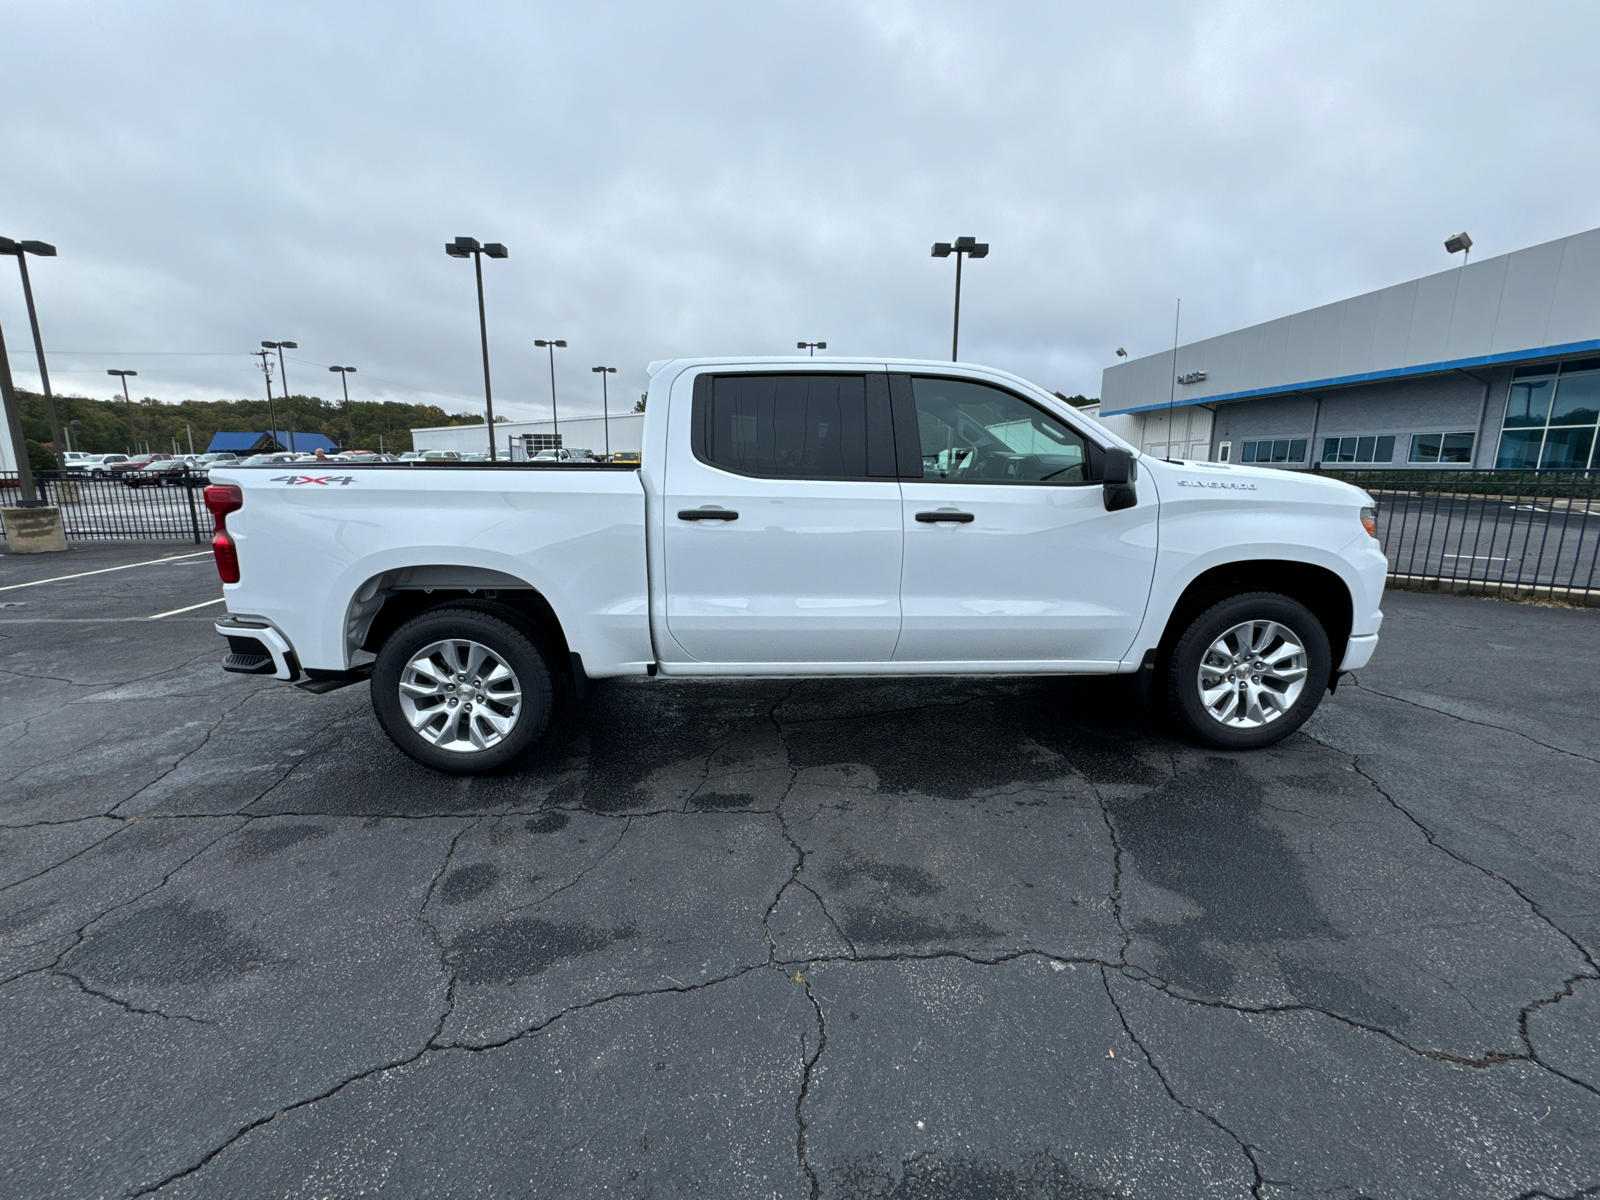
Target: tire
<point>416,701</point>
<point>1238,701</point>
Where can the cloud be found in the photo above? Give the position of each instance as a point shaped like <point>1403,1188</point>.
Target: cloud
<point>721,178</point>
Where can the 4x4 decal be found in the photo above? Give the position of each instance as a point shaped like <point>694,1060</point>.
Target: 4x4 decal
<point>294,480</point>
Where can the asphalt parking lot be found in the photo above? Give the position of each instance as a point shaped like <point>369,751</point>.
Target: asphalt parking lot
<point>979,939</point>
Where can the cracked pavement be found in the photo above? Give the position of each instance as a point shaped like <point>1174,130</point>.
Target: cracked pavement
<point>849,939</point>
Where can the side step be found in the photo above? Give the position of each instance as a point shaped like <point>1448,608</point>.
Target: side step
<point>320,682</point>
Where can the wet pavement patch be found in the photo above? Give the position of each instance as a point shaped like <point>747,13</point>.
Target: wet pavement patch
<point>172,944</point>
<point>549,822</point>
<point>467,883</point>
<point>1200,836</point>
<point>262,841</point>
<point>519,947</point>
<point>937,1177</point>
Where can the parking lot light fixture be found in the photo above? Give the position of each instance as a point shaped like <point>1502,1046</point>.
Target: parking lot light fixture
<point>605,405</point>
<point>551,345</point>
<point>283,378</point>
<point>465,247</point>
<point>811,346</point>
<point>970,248</point>
<point>42,250</point>
<point>272,414</point>
<point>344,380</point>
<point>1459,243</point>
<point>128,401</point>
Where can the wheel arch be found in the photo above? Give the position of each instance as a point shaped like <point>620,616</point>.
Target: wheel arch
<point>387,600</point>
<point>1320,589</point>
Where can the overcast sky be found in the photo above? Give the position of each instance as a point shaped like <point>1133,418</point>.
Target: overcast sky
<point>729,178</point>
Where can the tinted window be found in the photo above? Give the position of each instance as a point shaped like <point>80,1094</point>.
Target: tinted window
<point>973,433</point>
<point>1577,400</point>
<point>788,426</point>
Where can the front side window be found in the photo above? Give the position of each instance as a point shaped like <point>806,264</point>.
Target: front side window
<point>974,433</point>
<point>788,426</point>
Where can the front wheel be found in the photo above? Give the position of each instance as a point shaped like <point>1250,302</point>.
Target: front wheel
<point>1249,670</point>
<point>463,691</point>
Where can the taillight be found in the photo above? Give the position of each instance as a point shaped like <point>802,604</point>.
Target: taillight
<point>222,499</point>
<point>1369,520</point>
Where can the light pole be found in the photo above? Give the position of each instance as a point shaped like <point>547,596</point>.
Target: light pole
<point>128,400</point>
<point>283,378</point>
<point>43,250</point>
<point>972,248</point>
<point>465,247</point>
<point>344,380</point>
<point>555,424</point>
<point>67,429</point>
<point>266,370</point>
<point>811,346</point>
<point>605,403</point>
<point>19,441</point>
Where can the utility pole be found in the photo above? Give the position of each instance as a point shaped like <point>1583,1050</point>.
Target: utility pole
<point>344,380</point>
<point>283,378</point>
<point>127,401</point>
<point>266,370</point>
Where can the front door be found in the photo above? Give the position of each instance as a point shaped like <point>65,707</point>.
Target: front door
<point>1010,555</point>
<point>783,534</point>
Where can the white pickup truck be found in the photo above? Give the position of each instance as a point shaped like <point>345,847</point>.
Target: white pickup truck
<point>800,518</point>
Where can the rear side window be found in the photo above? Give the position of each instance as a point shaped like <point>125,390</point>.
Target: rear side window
<point>784,426</point>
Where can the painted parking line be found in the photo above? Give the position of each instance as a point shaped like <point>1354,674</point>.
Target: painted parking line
<point>172,612</point>
<point>124,567</point>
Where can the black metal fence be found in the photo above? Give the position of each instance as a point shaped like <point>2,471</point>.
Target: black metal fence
<point>1499,532</point>
<point>139,505</point>
<point>1521,532</point>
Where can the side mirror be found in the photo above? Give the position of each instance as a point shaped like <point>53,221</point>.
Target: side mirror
<point>1117,476</point>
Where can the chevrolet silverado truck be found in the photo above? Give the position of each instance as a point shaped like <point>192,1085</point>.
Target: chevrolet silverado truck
<point>800,518</point>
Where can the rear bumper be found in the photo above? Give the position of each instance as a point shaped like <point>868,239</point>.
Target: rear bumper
<point>256,648</point>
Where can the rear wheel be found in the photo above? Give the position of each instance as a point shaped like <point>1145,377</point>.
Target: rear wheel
<point>1249,670</point>
<point>463,691</point>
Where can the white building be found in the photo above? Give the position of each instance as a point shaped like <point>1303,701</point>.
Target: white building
<point>625,432</point>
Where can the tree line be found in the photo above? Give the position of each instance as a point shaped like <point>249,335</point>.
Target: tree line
<point>113,427</point>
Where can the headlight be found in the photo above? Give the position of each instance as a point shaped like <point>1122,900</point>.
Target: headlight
<point>1369,520</point>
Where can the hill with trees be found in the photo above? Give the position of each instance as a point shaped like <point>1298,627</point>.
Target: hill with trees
<point>108,427</point>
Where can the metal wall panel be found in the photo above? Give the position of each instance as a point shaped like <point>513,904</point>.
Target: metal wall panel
<point>1529,290</point>
<point>1430,319</point>
<point>1575,309</point>
<point>1476,308</point>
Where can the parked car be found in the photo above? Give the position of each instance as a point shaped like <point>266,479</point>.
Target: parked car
<point>436,456</point>
<point>844,519</point>
<point>625,456</point>
<point>560,456</point>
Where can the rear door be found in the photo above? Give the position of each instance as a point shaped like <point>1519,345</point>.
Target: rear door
<point>1010,555</point>
<point>783,533</point>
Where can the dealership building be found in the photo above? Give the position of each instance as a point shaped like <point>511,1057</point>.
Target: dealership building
<point>1494,363</point>
<point>623,432</point>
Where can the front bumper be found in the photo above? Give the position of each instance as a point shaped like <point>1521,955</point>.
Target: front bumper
<point>1358,653</point>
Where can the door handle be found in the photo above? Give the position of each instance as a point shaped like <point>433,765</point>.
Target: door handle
<point>930,518</point>
<point>707,514</point>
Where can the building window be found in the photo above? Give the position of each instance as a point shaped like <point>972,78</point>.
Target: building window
<point>1551,417</point>
<point>1452,449</point>
<point>1224,451</point>
<point>1283,450</point>
<point>1358,449</point>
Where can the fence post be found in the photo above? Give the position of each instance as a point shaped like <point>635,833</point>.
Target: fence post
<point>194,514</point>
